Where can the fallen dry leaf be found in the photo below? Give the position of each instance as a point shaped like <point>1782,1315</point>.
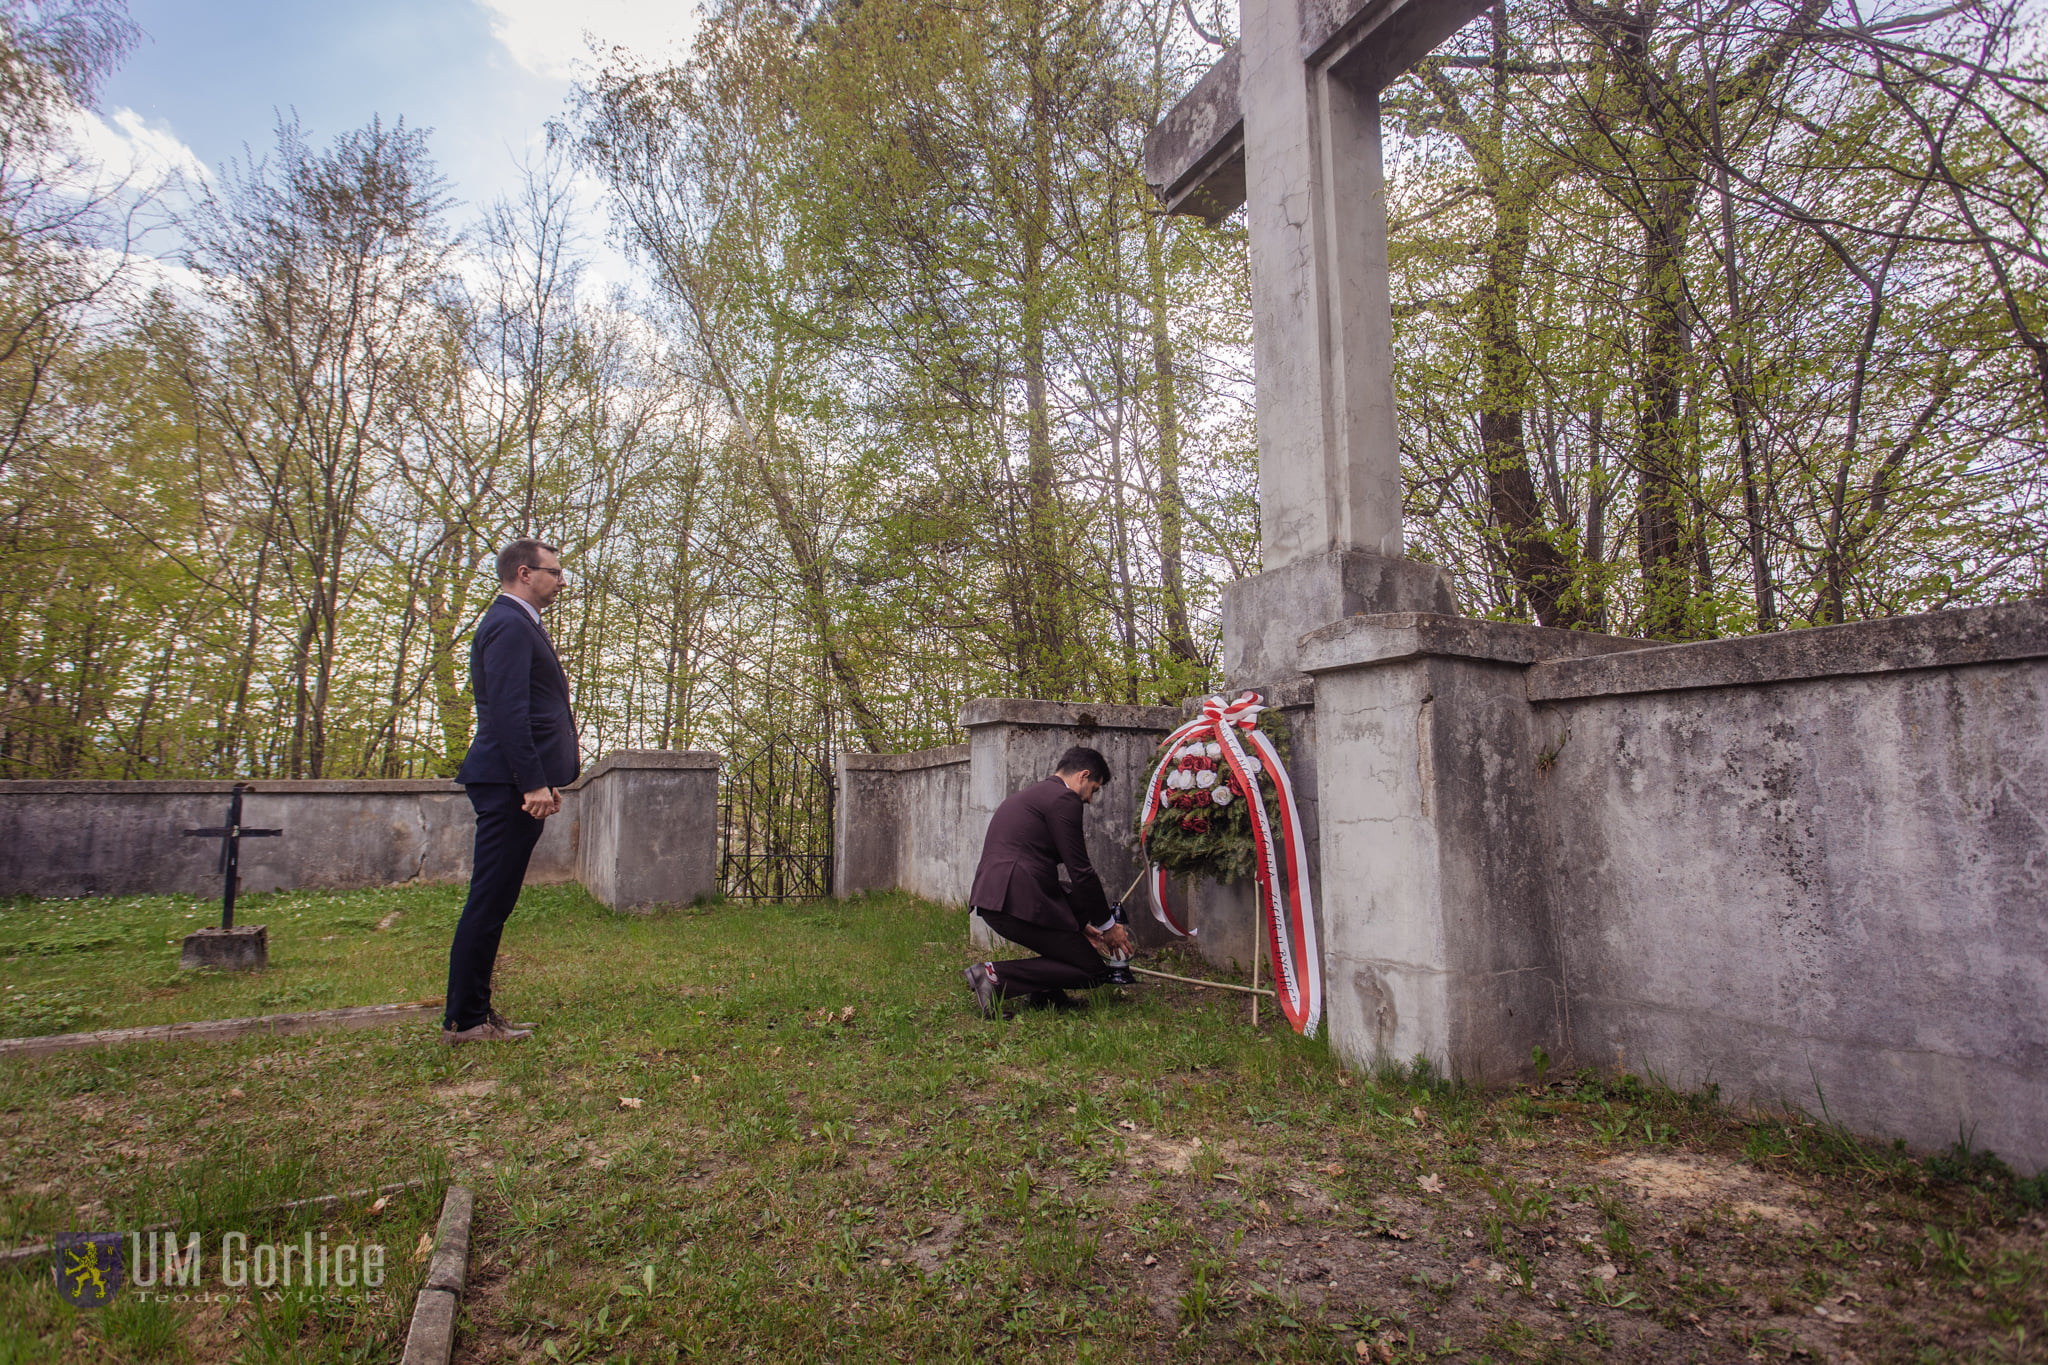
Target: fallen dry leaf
<point>1431,1183</point>
<point>383,1200</point>
<point>630,1102</point>
<point>1418,1113</point>
<point>425,1248</point>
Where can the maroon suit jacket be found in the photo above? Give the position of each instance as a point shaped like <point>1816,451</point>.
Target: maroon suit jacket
<point>1030,835</point>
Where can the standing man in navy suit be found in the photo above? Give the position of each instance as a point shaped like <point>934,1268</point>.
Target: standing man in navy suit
<point>525,748</point>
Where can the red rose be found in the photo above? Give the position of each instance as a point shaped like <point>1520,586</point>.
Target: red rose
<point>1195,824</point>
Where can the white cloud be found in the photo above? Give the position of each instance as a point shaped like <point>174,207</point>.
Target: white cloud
<point>139,273</point>
<point>127,153</point>
<point>547,36</point>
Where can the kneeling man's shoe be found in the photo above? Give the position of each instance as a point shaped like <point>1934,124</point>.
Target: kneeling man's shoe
<point>1121,976</point>
<point>486,1032</point>
<point>981,979</point>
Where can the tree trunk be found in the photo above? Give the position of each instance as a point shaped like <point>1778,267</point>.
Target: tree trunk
<point>1180,641</point>
<point>1663,454</point>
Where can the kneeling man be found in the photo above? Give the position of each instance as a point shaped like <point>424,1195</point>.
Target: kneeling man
<point>1018,892</point>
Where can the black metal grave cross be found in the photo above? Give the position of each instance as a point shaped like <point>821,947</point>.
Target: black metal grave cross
<point>231,835</point>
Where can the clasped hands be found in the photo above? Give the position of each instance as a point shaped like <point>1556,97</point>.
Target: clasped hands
<point>542,802</point>
<point>1115,943</point>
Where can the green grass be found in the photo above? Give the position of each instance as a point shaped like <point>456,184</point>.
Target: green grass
<point>834,1159</point>
<point>70,965</point>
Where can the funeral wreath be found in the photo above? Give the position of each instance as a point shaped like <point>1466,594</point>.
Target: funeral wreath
<point>1202,826</point>
<point>1220,804</point>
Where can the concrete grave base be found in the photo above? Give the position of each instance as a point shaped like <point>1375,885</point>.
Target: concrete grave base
<point>1265,615</point>
<point>244,948</point>
<point>226,1030</point>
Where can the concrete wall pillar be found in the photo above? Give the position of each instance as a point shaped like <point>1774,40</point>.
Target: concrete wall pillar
<point>1264,618</point>
<point>901,822</point>
<point>867,825</point>
<point>1438,935</point>
<point>647,829</point>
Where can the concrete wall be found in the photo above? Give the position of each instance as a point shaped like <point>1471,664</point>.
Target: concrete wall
<point>125,838</point>
<point>916,820</point>
<point>1830,887</point>
<point>901,821</point>
<point>1808,867</point>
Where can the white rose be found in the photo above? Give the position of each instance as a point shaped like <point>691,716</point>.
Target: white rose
<point>1253,764</point>
<point>1213,749</point>
<point>1176,779</point>
<point>1221,796</point>
<point>1205,779</point>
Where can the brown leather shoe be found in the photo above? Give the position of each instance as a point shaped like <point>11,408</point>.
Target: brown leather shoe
<point>486,1032</point>
<point>502,1022</point>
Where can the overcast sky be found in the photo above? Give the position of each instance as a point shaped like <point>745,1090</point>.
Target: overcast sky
<point>211,76</point>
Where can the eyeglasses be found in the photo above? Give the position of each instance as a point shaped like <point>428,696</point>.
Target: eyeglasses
<point>542,568</point>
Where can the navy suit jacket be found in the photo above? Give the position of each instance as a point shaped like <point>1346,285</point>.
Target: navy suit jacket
<point>524,732</point>
<point>1030,834</point>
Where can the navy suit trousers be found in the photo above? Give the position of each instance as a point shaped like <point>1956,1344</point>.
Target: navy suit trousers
<point>505,836</point>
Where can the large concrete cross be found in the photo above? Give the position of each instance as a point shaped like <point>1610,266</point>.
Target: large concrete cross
<point>1288,124</point>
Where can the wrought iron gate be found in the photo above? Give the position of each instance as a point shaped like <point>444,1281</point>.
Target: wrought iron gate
<point>775,809</point>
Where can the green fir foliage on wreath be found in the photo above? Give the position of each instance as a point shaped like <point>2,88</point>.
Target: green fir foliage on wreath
<point>1209,840</point>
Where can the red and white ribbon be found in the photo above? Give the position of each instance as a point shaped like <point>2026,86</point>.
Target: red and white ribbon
<point>1290,914</point>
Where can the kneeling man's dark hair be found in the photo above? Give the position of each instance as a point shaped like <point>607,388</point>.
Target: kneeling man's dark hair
<point>522,554</point>
<point>1088,762</point>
